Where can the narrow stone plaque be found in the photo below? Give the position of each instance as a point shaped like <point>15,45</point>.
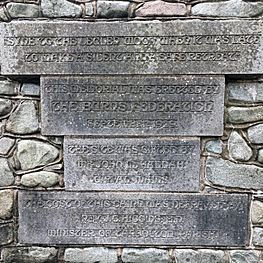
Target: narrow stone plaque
<point>133,219</point>
<point>168,164</point>
<point>139,47</point>
<point>135,105</point>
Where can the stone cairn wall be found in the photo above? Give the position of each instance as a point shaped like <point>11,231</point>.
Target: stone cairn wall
<point>28,160</point>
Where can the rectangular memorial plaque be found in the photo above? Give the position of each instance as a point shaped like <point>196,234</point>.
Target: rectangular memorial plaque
<point>133,219</point>
<point>139,47</point>
<point>135,105</point>
<point>168,164</point>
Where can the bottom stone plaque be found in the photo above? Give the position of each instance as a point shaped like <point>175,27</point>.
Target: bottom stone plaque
<point>133,218</point>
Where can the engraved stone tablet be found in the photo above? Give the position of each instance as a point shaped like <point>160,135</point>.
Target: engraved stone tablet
<point>132,164</point>
<point>135,105</point>
<point>133,219</point>
<point>139,47</point>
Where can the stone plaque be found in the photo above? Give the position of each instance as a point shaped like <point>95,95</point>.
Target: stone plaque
<point>133,219</point>
<point>134,105</point>
<point>168,164</point>
<point>138,47</point>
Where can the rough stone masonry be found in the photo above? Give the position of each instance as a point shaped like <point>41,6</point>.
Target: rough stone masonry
<point>32,160</point>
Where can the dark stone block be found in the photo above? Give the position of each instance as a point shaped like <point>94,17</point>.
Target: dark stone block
<point>6,234</point>
<point>133,219</point>
<point>168,164</point>
<point>139,47</point>
<point>182,105</point>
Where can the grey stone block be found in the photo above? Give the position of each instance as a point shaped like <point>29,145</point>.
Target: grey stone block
<point>22,10</point>
<point>30,89</point>
<point>229,174</point>
<point>8,87</point>
<point>257,212</point>
<point>30,255</point>
<point>255,134</point>
<point>238,148</point>
<point>32,153</point>
<point>111,9</point>
<point>214,146</point>
<point>90,255</point>
<point>6,174</point>
<point>238,115</point>
<point>60,8</point>
<point>5,107</point>
<point>174,47</point>
<point>132,164</point>
<point>24,119</point>
<point>6,234</point>
<point>133,218</point>
<point>257,236</point>
<point>231,8</point>
<point>178,105</point>
<point>244,256</point>
<point>42,178</point>
<point>199,256</point>
<point>6,203</point>
<point>246,92</point>
<point>146,255</point>
<point>6,144</point>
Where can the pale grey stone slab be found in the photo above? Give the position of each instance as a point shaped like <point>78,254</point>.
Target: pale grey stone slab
<point>152,164</point>
<point>134,105</point>
<point>138,47</point>
<point>133,218</point>
<point>144,255</point>
<point>91,255</point>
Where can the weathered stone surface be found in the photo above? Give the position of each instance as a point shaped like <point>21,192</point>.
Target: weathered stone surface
<point>132,218</point>
<point>138,47</point>
<point>6,234</point>
<point>30,255</point>
<point>228,174</point>
<point>42,178</point>
<point>231,8</point>
<point>132,164</point>
<point>248,92</point>
<point>238,148</point>
<point>30,89</point>
<point>161,8</point>
<point>24,120</point>
<point>31,154</point>
<point>6,144</point>
<point>244,114</point>
<point>132,105</point>
<point>145,255</point>
<point>22,10</point>
<point>260,155</point>
<point>214,146</point>
<point>244,256</point>
<point>255,134</point>
<point>257,212</point>
<point>60,8</point>
<point>90,255</point>
<point>3,16</point>
<point>89,9</point>
<point>111,9</point>
<point>257,236</point>
<point>199,256</point>
<point>6,175</point>
<point>6,203</point>
<point>5,106</point>
<point>8,87</point>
